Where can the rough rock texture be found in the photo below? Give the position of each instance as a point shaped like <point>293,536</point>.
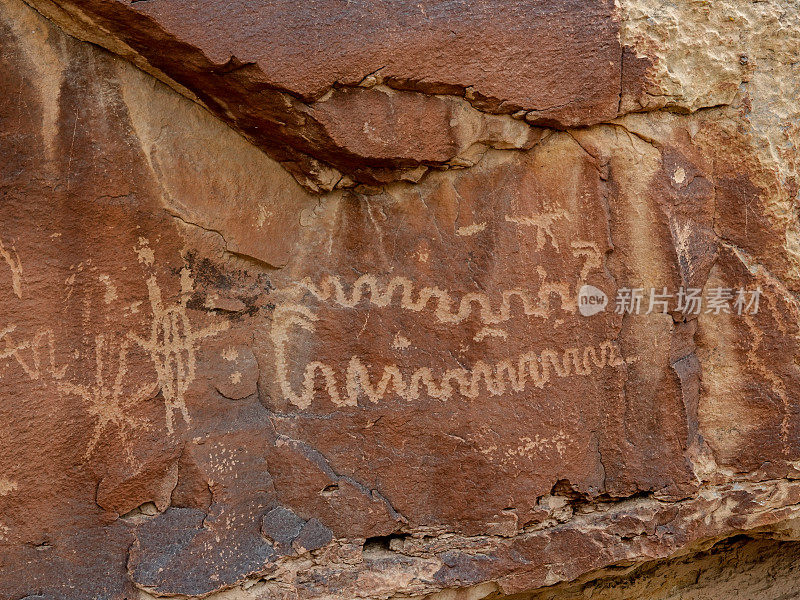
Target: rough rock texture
<point>739,568</point>
<point>300,80</point>
<point>290,298</point>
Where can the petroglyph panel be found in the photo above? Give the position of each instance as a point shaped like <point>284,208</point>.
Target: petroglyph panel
<point>437,309</point>
<point>439,327</point>
<point>491,307</point>
<point>216,380</point>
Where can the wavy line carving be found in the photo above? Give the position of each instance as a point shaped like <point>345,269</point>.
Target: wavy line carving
<point>514,374</point>
<point>368,289</point>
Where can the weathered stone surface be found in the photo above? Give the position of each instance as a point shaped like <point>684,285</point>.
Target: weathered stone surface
<point>216,382</point>
<point>283,74</point>
<point>737,568</point>
<point>282,526</point>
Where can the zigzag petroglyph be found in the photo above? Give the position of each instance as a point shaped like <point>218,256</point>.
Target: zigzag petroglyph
<point>513,374</point>
<point>368,289</point>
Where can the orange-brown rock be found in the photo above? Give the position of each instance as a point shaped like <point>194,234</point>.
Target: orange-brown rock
<point>282,74</point>
<point>324,301</point>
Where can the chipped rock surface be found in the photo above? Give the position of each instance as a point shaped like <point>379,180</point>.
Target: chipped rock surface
<point>298,81</point>
<point>295,299</point>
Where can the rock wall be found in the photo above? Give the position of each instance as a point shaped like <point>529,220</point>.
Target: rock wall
<point>737,568</point>
<point>338,301</point>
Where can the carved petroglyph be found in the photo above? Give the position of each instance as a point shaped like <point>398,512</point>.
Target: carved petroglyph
<point>535,368</point>
<point>107,402</point>
<point>530,448</point>
<point>368,289</point>
<point>15,265</point>
<point>543,223</point>
<point>469,230</point>
<point>513,374</point>
<point>143,251</point>
<point>172,345</point>
<point>28,353</point>
<point>111,290</point>
<point>593,257</point>
<point>681,235</point>
<point>400,342</point>
<point>487,332</point>
<point>7,486</point>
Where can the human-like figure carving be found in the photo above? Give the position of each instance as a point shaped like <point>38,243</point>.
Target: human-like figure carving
<point>172,345</point>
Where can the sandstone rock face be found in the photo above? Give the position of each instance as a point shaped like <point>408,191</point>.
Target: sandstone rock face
<point>300,81</point>
<point>321,301</point>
